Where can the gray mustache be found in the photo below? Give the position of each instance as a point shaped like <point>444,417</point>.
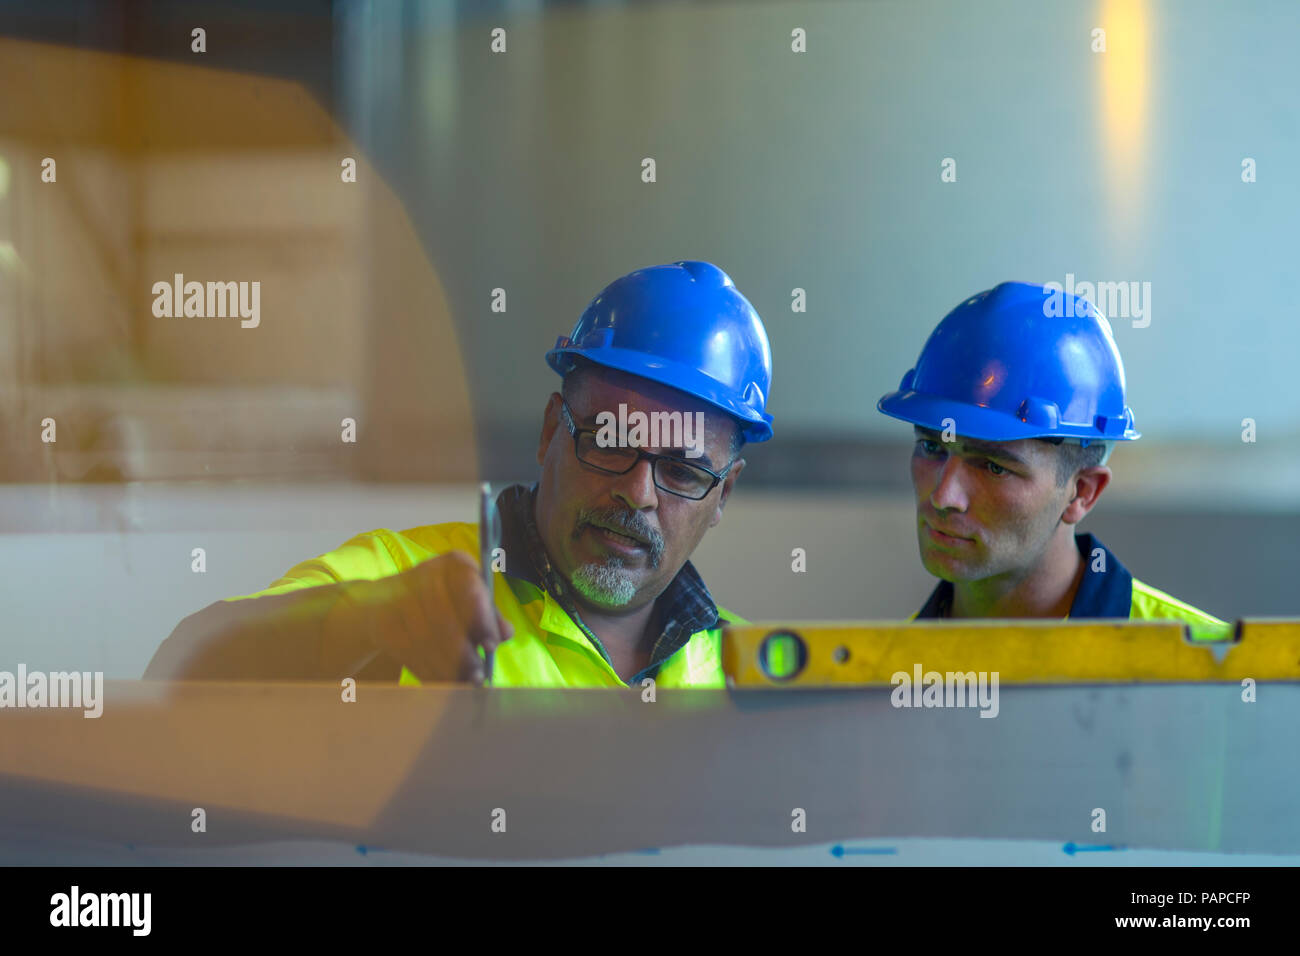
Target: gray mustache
<point>626,521</point>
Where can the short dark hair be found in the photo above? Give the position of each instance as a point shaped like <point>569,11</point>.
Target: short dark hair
<point>577,371</point>
<point>1071,457</point>
<point>582,367</point>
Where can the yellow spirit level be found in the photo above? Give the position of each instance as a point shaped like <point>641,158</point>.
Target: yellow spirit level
<point>823,654</point>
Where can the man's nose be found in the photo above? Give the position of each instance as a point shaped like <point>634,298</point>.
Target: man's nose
<point>948,493</point>
<point>636,488</point>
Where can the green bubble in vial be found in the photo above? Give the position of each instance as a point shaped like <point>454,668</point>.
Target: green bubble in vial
<point>783,656</point>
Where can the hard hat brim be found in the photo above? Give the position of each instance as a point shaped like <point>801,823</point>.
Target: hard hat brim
<point>696,384</point>
<point>984,424</point>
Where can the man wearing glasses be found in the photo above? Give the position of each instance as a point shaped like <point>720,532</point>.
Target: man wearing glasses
<point>595,587</point>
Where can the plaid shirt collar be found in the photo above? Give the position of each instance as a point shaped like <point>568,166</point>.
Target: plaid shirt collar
<point>684,608</point>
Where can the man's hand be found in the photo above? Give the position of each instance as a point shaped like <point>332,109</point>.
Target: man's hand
<point>432,618</point>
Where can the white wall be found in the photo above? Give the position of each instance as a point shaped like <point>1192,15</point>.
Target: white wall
<point>821,170</point>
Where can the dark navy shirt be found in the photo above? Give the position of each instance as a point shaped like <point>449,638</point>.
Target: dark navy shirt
<point>1107,593</point>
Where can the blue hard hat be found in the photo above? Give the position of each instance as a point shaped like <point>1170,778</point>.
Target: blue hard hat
<point>1019,361</point>
<point>684,325</point>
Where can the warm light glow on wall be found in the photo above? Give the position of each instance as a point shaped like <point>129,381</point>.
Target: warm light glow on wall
<point>1125,70</point>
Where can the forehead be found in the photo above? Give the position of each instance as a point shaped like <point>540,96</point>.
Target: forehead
<point>1026,451</point>
<point>603,390</point>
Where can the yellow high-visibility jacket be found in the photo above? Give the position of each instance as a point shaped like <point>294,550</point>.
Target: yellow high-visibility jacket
<point>1109,590</point>
<point>548,649</point>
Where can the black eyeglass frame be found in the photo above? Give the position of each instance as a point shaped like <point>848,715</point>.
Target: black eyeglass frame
<point>571,424</point>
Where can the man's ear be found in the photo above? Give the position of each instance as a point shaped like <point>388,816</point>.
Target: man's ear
<point>1089,483</point>
<point>736,468</point>
<point>550,422</point>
